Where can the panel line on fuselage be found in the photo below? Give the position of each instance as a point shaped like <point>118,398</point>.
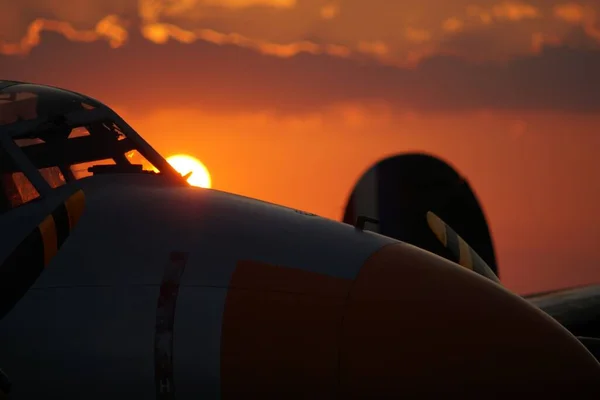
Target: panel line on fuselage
<point>165,320</point>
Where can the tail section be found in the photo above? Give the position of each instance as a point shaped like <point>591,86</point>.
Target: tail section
<point>400,191</point>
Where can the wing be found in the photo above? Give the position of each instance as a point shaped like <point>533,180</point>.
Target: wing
<point>577,309</point>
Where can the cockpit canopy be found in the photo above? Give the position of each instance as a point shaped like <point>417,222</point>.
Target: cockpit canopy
<point>51,136</point>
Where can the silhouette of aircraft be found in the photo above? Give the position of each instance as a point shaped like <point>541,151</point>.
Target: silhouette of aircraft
<point>118,278</point>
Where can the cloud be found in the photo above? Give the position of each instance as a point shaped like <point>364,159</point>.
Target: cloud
<point>480,13</point>
<point>113,29</point>
<point>464,61</point>
<point>153,10</point>
<point>289,27</point>
<point>238,4</point>
<point>506,10</point>
<point>17,16</point>
<point>377,48</point>
<point>577,14</point>
<point>110,28</point>
<point>452,24</point>
<point>229,77</point>
<point>571,12</point>
<point>417,35</point>
<point>330,11</point>
<point>515,11</point>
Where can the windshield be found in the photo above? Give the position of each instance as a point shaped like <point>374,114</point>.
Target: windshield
<point>62,153</point>
<point>67,136</point>
<point>28,102</point>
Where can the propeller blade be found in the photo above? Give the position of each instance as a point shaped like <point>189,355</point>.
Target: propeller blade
<point>463,253</point>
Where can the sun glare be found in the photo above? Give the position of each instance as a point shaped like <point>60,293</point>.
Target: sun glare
<point>185,165</point>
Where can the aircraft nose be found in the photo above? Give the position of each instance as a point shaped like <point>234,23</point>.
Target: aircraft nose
<point>412,317</point>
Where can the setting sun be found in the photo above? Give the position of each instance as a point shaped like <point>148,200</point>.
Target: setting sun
<point>185,165</point>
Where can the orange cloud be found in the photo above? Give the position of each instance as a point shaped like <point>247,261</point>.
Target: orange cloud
<point>515,11</point>
<point>377,48</point>
<point>152,10</point>
<point>480,13</point>
<point>110,28</point>
<point>160,34</point>
<point>285,28</point>
<point>452,24</point>
<point>417,35</point>
<point>576,14</point>
<point>439,83</point>
<point>571,12</point>
<point>330,11</point>
<point>237,4</point>
<point>508,10</point>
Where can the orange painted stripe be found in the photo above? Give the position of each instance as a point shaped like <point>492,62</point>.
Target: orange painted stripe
<point>438,227</point>
<point>49,238</point>
<point>464,251</point>
<point>75,206</point>
<point>279,337</point>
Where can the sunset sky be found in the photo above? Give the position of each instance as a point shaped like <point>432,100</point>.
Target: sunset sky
<point>290,101</point>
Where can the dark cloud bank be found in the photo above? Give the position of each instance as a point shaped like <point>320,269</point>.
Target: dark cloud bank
<point>147,76</point>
